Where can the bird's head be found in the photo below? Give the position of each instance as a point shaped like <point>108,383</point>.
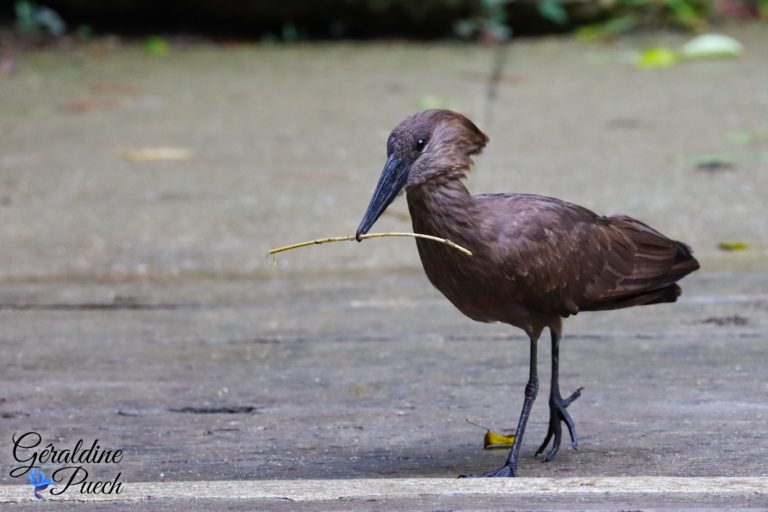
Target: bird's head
<point>427,146</point>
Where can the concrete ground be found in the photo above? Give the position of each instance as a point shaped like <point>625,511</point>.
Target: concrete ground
<point>138,307</point>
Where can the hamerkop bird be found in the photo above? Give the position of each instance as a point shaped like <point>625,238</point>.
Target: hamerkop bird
<point>535,259</point>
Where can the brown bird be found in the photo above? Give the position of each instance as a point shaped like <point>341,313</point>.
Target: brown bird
<point>535,259</point>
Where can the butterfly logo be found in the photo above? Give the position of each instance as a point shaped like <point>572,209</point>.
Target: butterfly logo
<point>37,479</point>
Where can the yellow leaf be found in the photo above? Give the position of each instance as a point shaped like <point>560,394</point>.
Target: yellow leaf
<point>656,57</point>
<point>494,441</point>
<point>732,246</point>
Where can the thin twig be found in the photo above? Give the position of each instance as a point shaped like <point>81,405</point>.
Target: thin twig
<point>476,424</point>
<point>350,238</point>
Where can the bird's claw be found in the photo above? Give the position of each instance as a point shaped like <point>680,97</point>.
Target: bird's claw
<point>503,471</point>
<point>558,414</point>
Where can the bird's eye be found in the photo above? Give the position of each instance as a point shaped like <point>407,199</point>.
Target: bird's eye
<point>420,144</point>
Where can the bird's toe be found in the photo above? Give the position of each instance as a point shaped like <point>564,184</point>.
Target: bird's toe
<point>558,414</point>
<point>576,394</point>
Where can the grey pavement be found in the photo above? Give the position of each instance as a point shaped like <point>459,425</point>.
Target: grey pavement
<point>138,307</point>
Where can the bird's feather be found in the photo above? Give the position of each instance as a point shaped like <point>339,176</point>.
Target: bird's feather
<point>563,258</point>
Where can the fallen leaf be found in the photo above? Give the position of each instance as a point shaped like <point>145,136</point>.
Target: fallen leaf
<point>711,46</point>
<point>168,154</point>
<point>156,46</point>
<point>732,246</point>
<point>493,440</point>
<point>656,57</point>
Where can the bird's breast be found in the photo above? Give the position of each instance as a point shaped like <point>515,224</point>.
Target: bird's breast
<point>471,283</point>
<point>477,285</point>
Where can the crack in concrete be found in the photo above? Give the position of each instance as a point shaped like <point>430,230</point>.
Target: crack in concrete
<point>492,88</point>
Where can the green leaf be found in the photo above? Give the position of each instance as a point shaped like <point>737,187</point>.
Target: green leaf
<point>609,29</point>
<point>84,32</point>
<point>50,20</point>
<point>156,46</point>
<point>25,17</point>
<point>553,11</point>
<point>656,57</point>
<point>31,18</point>
<point>762,9</point>
<point>290,33</point>
<point>684,13</point>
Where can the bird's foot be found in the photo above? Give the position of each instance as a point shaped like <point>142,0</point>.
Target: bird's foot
<point>503,471</point>
<point>558,415</point>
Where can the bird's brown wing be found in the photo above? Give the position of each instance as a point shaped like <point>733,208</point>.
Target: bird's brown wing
<point>657,264</point>
<point>562,258</point>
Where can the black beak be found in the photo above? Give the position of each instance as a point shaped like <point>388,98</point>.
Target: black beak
<point>393,179</point>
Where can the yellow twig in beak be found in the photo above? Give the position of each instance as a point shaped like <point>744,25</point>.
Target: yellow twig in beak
<point>351,238</point>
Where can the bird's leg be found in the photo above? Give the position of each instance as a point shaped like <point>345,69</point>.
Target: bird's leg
<point>510,467</point>
<point>558,413</point>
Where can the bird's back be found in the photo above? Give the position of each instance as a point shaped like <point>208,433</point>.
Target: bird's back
<point>542,257</point>
<point>563,258</point>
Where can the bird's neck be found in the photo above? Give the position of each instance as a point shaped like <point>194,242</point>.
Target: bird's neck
<point>441,208</point>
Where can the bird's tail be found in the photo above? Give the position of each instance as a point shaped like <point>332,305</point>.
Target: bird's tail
<point>658,264</point>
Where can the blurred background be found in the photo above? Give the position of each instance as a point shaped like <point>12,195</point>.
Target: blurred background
<point>292,20</point>
<point>157,139</point>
